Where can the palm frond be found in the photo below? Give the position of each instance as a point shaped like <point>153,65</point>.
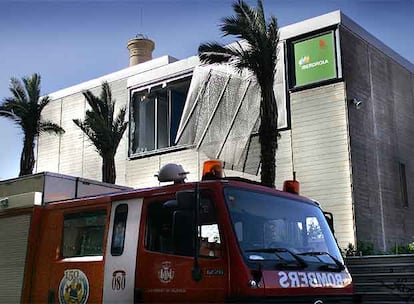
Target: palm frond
<point>4,112</point>
<point>260,19</point>
<point>50,127</point>
<point>99,125</point>
<point>93,101</point>
<point>273,34</point>
<point>17,108</point>
<point>24,108</point>
<point>119,126</point>
<point>32,86</point>
<point>216,53</point>
<point>260,57</point>
<point>43,103</point>
<point>16,88</point>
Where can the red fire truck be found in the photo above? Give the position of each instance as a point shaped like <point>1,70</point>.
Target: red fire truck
<point>218,240</point>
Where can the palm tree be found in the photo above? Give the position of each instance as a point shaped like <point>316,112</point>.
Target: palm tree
<point>259,55</point>
<point>24,108</point>
<point>103,130</point>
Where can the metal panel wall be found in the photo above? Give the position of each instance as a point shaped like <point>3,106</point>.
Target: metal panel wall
<point>13,249</point>
<point>71,151</point>
<point>48,145</point>
<point>381,138</point>
<point>321,153</point>
<point>141,171</point>
<point>284,167</point>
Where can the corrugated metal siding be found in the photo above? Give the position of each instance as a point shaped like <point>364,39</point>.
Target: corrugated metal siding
<point>141,171</point>
<point>73,153</point>
<point>48,145</point>
<point>91,161</point>
<point>321,153</point>
<point>71,149</point>
<point>284,159</point>
<point>120,93</point>
<point>13,247</point>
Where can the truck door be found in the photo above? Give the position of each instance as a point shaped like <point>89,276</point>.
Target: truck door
<point>70,258</point>
<point>121,251</point>
<point>166,254</point>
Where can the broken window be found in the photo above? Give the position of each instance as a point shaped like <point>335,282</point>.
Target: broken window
<point>83,233</point>
<point>156,114</point>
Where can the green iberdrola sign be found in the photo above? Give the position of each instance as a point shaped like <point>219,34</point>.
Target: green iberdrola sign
<point>314,59</point>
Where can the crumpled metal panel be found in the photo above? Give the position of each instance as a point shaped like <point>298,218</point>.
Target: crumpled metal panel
<point>190,122</point>
<point>239,134</point>
<point>221,112</point>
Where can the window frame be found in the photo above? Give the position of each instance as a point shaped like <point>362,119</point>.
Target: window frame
<point>161,200</point>
<point>155,86</point>
<point>72,213</point>
<point>125,223</point>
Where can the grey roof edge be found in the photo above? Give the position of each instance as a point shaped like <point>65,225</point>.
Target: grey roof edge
<point>117,75</point>
<point>310,25</point>
<point>371,39</point>
<point>338,17</point>
<point>62,176</point>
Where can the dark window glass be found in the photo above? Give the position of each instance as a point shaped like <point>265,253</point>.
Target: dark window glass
<point>171,230</point>
<point>118,233</point>
<point>144,118</point>
<point>83,233</point>
<point>156,116</point>
<point>177,107</point>
<point>265,221</point>
<point>159,228</point>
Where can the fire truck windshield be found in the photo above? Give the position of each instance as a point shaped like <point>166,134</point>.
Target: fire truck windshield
<point>292,232</point>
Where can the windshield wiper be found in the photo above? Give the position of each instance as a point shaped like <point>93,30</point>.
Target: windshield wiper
<point>300,263</point>
<point>325,266</point>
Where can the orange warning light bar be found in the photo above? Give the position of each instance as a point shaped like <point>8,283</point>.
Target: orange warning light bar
<point>212,169</point>
<point>291,186</point>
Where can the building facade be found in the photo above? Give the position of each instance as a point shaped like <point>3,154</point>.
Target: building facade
<point>346,106</point>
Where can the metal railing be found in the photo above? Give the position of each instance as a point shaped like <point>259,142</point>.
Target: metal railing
<point>383,278</point>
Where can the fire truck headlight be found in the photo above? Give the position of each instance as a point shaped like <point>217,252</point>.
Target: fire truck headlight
<point>252,284</point>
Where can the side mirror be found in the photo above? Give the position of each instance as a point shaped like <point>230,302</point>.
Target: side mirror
<point>329,218</point>
<point>170,204</point>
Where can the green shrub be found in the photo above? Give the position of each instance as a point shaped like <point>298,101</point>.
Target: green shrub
<point>402,249</point>
<point>362,248</point>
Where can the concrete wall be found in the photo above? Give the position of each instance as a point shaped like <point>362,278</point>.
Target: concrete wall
<point>72,153</point>
<point>381,133</point>
<point>321,153</point>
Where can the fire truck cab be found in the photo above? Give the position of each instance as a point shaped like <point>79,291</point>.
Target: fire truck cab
<point>218,240</point>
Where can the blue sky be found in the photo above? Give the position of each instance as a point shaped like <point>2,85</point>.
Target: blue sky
<point>69,42</point>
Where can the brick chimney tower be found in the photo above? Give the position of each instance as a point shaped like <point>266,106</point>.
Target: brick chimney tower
<point>140,49</point>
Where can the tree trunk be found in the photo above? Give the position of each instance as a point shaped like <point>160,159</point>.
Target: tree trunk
<point>108,169</point>
<point>27,156</point>
<point>268,134</point>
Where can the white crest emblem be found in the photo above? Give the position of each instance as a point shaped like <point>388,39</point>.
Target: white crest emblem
<point>166,273</point>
